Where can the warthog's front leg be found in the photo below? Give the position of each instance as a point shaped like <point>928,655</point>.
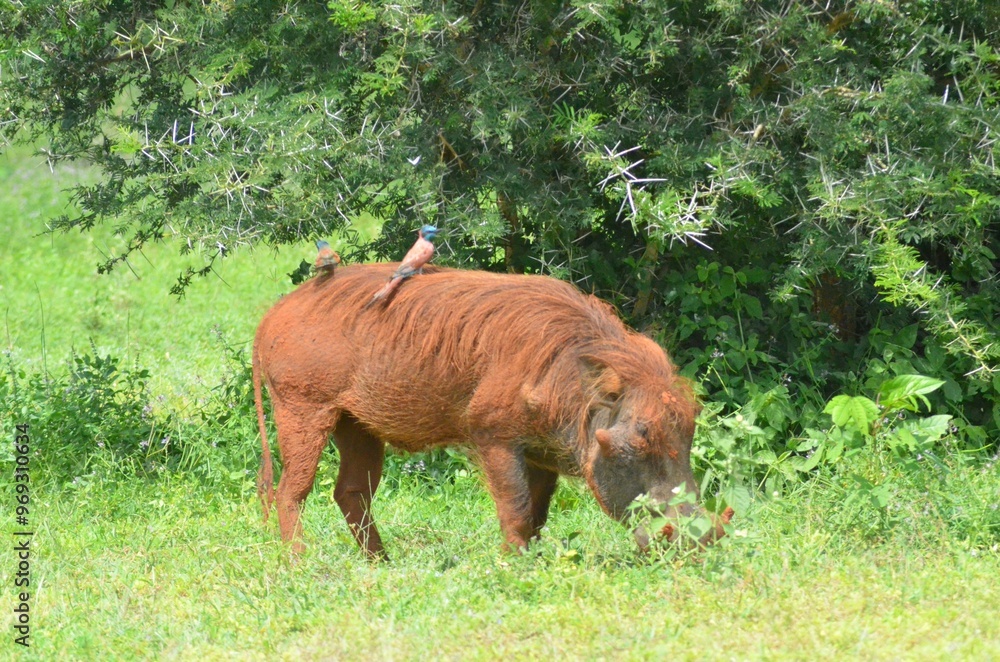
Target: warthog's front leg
<point>542,485</point>
<point>507,477</point>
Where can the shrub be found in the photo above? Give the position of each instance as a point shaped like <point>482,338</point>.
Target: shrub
<point>97,408</point>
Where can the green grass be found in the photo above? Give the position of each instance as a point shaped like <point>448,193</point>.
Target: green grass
<point>174,569</point>
<point>177,564</point>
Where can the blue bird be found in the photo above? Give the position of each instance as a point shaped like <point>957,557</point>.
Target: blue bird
<point>413,263</point>
<point>327,259</point>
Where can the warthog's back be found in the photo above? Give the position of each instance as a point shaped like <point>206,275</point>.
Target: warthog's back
<point>451,349</point>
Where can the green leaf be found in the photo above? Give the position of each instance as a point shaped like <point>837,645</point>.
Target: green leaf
<point>902,437</point>
<point>903,390</point>
<point>698,527</point>
<point>880,495</point>
<point>952,391</point>
<point>929,428</point>
<point>833,450</point>
<point>727,286</point>
<point>906,337</point>
<point>852,412</point>
<point>752,305</point>
<point>737,496</point>
<point>806,464</point>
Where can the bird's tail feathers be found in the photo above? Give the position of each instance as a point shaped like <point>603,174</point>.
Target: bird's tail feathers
<point>386,290</point>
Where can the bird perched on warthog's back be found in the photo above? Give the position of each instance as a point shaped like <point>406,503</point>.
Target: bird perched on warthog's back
<point>327,259</point>
<point>419,255</point>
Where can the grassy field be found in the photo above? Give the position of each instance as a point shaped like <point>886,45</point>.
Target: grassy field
<point>174,563</point>
<point>178,570</point>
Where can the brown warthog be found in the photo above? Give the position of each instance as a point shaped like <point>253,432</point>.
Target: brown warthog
<point>536,377</point>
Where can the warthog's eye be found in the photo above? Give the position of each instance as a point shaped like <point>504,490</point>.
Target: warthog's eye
<point>643,430</point>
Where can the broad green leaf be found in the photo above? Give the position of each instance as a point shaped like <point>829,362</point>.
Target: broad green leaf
<point>752,305</point>
<point>906,337</point>
<point>805,464</point>
<point>765,457</point>
<point>880,495</point>
<point>902,391</point>
<point>698,527</point>
<point>737,496</point>
<point>952,391</point>
<point>928,428</point>
<point>902,437</point>
<point>852,412</point>
<point>737,360</point>
<point>727,286</point>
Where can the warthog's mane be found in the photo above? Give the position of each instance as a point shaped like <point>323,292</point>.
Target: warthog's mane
<point>561,352</point>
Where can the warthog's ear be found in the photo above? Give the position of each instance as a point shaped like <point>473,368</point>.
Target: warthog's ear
<point>680,396</point>
<point>610,383</point>
<point>602,380</point>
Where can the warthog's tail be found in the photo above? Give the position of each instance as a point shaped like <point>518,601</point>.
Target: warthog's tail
<point>265,477</point>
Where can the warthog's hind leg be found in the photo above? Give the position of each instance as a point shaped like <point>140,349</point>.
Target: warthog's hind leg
<point>302,436</point>
<point>361,456</point>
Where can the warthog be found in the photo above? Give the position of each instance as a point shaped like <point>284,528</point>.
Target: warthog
<point>535,377</point>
